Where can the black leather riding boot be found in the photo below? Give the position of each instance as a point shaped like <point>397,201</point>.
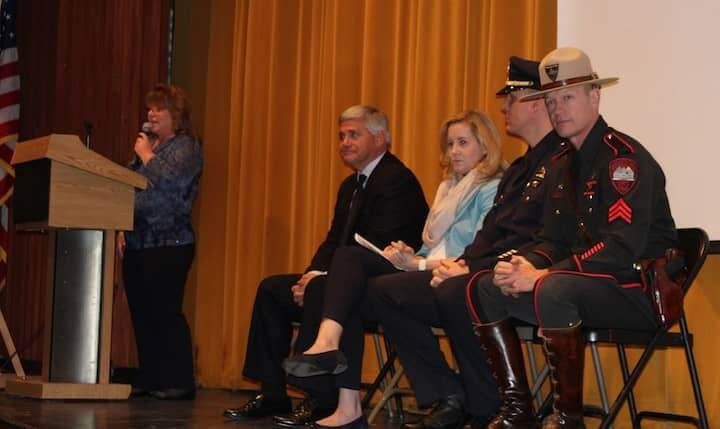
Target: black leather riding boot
<point>502,347</point>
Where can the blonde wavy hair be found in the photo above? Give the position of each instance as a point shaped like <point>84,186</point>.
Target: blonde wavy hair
<point>484,130</point>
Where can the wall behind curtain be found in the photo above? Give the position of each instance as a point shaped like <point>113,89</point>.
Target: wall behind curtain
<point>278,74</point>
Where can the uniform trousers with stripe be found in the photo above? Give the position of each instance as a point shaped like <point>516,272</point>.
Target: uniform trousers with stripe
<point>562,299</point>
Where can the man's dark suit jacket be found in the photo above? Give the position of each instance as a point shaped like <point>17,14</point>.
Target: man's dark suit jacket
<point>393,207</point>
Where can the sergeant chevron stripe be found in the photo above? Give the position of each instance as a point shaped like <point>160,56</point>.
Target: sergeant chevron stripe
<point>620,210</point>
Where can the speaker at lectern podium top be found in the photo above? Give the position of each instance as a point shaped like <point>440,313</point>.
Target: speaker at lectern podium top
<point>62,184</point>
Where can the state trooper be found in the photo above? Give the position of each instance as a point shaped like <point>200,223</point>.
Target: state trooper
<point>607,210</point>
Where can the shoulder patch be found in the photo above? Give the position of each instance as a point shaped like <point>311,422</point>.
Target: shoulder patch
<point>618,144</point>
<point>624,173</point>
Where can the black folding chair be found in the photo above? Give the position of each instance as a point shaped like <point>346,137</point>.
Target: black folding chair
<point>694,243</point>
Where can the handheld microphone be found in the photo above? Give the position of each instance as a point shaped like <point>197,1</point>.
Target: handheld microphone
<point>147,129</point>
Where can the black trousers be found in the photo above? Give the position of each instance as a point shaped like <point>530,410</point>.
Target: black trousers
<point>562,299</point>
<point>408,307</point>
<point>271,332</point>
<point>345,303</point>
<point>155,284</point>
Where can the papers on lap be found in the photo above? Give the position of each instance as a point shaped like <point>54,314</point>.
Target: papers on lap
<point>368,245</point>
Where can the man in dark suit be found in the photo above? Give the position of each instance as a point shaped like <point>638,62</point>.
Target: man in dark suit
<point>382,201</point>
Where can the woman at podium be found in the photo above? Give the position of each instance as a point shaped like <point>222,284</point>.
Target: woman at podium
<point>157,254</point>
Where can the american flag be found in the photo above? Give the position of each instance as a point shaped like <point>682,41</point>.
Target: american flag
<point>9,120</point>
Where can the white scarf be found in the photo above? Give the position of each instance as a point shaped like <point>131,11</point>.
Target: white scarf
<point>450,194</point>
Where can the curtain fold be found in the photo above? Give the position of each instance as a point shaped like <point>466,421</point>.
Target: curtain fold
<point>279,73</point>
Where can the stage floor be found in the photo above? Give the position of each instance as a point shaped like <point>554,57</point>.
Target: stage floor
<point>144,412</point>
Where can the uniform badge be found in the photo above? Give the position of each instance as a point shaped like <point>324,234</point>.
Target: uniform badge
<point>538,178</point>
<point>552,71</point>
<point>590,188</point>
<point>620,210</point>
<point>623,174</point>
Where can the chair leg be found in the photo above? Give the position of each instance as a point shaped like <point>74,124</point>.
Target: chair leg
<point>398,400</point>
<point>630,383</point>
<point>624,368</point>
<point>390,390</point>
<point>692,368</point>
<point>381,364</point>
<point>600,378</point>
<point>534,373</point>
<point>379,380</point>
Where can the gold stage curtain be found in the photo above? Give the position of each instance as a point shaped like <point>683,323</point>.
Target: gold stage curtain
<point>279,72</point>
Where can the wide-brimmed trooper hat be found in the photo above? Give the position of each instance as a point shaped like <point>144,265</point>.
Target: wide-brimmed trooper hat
<point>565,68</point>
<point>521,74</point>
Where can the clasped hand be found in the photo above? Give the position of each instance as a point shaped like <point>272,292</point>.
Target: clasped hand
<point>448,268</point>
<point>516,276</point>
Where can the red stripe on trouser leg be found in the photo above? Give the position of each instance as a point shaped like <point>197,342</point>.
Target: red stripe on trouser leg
<point>468,296</point>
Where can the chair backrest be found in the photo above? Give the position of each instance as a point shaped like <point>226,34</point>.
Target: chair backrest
<point>694,244</point>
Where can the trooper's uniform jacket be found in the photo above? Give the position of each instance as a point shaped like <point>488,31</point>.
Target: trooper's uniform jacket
<point>606,209</point>
<point>516,216</point>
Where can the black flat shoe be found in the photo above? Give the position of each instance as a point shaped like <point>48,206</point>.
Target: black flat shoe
<point>332,362</point>
<point>306,412</point>
<point>259,406</point>
<point>177,394</point>
<point>359,423</point>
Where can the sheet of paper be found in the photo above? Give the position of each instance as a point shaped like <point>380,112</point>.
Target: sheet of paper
<point>368,245</point>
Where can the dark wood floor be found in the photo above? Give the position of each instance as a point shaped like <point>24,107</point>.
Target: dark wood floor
<point>204,412</point>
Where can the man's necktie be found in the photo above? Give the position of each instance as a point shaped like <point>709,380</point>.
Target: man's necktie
<point>354,209</point>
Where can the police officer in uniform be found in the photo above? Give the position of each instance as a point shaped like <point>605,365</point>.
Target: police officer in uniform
<point>607,209</point>
<point>409,304</point>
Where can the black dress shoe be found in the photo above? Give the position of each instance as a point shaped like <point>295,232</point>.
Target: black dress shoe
<point>138,391</point>
<point>259,406</point>
<point>174,394</point>
<point>332,362</point>
<point>449,413</point>
<point>306,412</point>
<point>359,423</point>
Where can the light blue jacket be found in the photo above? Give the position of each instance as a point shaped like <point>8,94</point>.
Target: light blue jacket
<point>469,219</point>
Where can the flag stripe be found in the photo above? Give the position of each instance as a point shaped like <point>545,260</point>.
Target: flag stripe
<point>8,113</point>
<point>9,55</point>
<point>8,70</point>
<point>10,127</point>
<point>8,98</point>
<point>10,84</point>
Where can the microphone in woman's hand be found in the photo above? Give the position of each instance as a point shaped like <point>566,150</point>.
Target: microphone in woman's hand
<point>147,129</point>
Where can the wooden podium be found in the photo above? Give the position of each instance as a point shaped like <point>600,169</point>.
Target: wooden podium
<point>81,199</point>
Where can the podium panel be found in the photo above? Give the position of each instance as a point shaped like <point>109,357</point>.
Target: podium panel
<point>77,303</point>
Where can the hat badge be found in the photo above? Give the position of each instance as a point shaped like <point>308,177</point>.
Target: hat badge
<point>552,71</point>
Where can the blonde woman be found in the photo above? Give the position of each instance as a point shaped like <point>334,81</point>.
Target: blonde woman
<point>471,155</point>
